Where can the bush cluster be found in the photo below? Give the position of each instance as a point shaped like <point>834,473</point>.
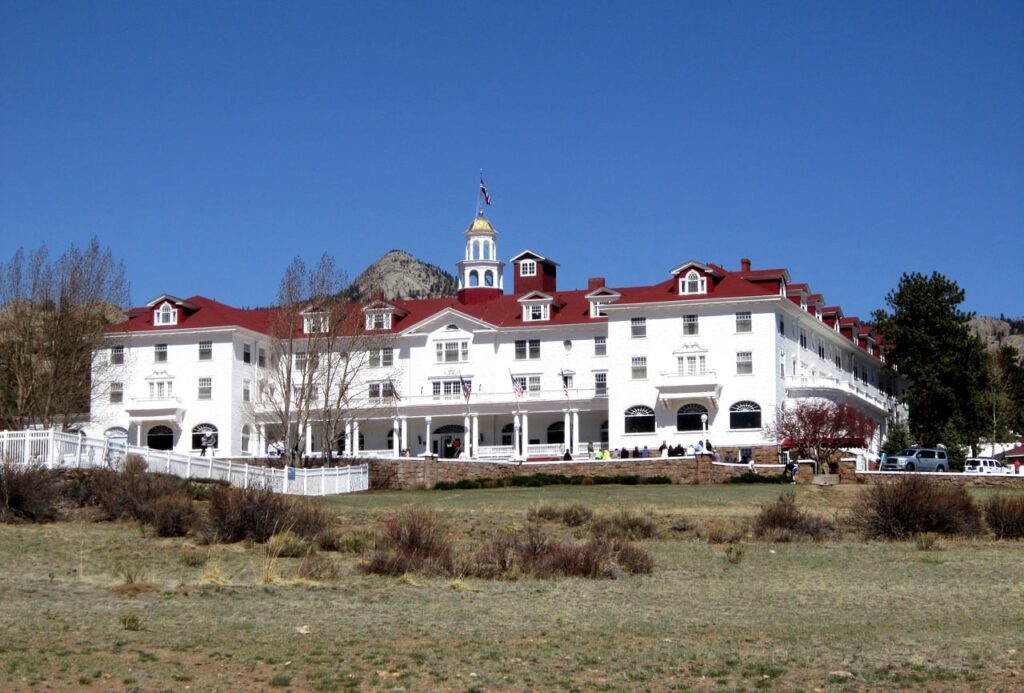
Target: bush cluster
<point>624,525</point>
<point>257,513</point>
<point>27,493</point>
<point>540,479</point>
<point>574,515</point>
<point>752,478</point>
<point>782,521</point>
<point>1005,516</point>
<point>415,541</point>
<point>914,504</point>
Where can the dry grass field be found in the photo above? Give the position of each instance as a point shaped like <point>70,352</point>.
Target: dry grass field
<point>101,606</point>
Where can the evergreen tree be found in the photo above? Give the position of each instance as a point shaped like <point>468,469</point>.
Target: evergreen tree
<point>935,351</point>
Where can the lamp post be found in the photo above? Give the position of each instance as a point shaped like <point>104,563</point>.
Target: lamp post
<point>703,442</point>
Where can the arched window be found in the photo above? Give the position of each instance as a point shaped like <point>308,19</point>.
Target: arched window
<point>245,438</point>
<point>507,434</point>
<point>474,278</point>
<point>160,438</point>
<point>556,433</point>
<point>475,254</point>
<point>488,278</point>
<point>450,429</point>
<point>116,432</point>
<point>199,431</point>
<point>640,419</point>
<point>688,417</point>
<point>693,283</point>
<point>745,415</point>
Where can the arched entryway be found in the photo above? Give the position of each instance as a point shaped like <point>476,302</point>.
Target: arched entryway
<point>160,438</point>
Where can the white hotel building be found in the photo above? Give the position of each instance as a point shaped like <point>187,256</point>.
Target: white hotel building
<point>702,348</point>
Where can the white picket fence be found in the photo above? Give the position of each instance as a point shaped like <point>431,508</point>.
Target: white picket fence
<point>57,450</point>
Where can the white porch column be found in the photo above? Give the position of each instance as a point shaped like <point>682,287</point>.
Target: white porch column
<point>515,435</point>
<point>575,430</point>
<point>347,450</point>
<point>355,436</point>
<point>426,435</point>
<point>468,433</point>
<point>307,436</point>
<point>396,441</point>
<point>526,435</point>
<point>567,430</point>
<point>476,436</point>
<point>403,434</point>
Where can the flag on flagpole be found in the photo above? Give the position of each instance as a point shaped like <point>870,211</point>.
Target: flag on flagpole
<point>394,390</point>
<point>297,396</point>
<point>517,387</point>
<point>483,191</point>
<point>565,383</point>
<point>467,388</point>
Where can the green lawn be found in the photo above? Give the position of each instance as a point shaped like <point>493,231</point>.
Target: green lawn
<point>838,615</point>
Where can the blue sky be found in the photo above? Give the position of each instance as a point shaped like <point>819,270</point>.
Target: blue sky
<point>207,143</point>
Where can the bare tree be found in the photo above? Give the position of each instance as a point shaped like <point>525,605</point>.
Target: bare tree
<point>818,428</point>
<point>319,352</point>
<point>53,319</point>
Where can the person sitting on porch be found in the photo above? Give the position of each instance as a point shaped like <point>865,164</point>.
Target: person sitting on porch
<point>567,456</point>
<point>645,452</point>
<point>663,450</point>
<point>457,447</point>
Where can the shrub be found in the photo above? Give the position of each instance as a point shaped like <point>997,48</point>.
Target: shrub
<point>681,523</point>
<point>576,515</point>
<point>633,559</point>
<point>782,521</point>
<point>657,479</point>
<point>318,568</point>
<point>415,541</point>
<point>444,486</point>
<point>544,512</point>
<point>624,525</point>
<point>288,544</point>
<point>1005,516</point>
<point>752,478</point>
<point>720,531</point>
<point>193,558</point>
<point>914,504</point>
<point>172,515</point>
<point>257,513</point>
<point>128,494</point>
<point>27,492</point>
<point>734,553</point>
<point>467,484</point>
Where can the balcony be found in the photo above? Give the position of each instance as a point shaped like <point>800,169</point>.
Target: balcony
<point>702,385</point>
<point>826,386</point>
<point>155,409</point>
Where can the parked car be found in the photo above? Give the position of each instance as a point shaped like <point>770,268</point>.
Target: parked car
<point>917,460</point>
<point>985,465</point>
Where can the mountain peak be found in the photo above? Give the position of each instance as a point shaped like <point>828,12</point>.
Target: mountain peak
<point>397,275</point>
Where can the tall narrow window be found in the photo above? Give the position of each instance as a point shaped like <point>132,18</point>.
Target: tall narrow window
<point>744,363</point>
<point>205,388</point>
<point>246,391</point>
<point>743,323</point>
<point>639,367</point>
<point>261,358</point>
<point>205,351</point>
<point>601,384</point>
<point>690,325</point>
<point>160,353</point>
<point>638,328</point>
<point>600,346</point>
<point>246,353</point>
<point>117,354</point>
<point>116,393</point>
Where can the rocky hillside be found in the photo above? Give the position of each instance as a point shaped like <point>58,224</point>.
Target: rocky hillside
<point>995,332</point>
<point>398,275</point>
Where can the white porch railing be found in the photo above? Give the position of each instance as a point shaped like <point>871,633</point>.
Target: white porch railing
<point>57,450</point>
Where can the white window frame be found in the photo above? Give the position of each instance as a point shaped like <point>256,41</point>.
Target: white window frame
<point>160,353</point>
<point>204,391</point>
<point>315,323</point>
<point>246,353</point>
<point>600,346</point>
<point>206,350</point>
<point>527,268</point>
<point>246,391</point>
<point>638,368</point>
<point>165,315</point>
<point>638,328</point>
<point>261,357</point>
<point>744,322</point>
<point>693,283</point>
<point>597,308</point>
<point>744,363</point>
<point>600,383</point>
<point>117,355</point>
<point>117,393</point>
<point>691,325</point>
<point>531,349</point>
<point>378,320</point>
<point>535,312</point>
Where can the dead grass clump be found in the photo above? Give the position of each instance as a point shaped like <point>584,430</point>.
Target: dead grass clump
<point>288,545</point>
<point>546,511</point>
<point>680,523</point>
<point>257,513</point>
<point>415,541</point>
<point>634,559</point>
<point>194,558</point>
<point>27,493</point>
<point>914,505</point>
<point>624,525</point>
<point>1005,516</point>
<point>575,515</point>
<point>783,521</point>
<point>172,515</point>
<point>719,531</point>
<point>318,568</point>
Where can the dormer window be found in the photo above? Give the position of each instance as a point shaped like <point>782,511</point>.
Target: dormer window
<point>597,308</point>
<point>315,322</point>
<point>166,315</point>
<point>527,268</point>
<point>534,312</point>
<point>693,283</point>
<point>378,320</point>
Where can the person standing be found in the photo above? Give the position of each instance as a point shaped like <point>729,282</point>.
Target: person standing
<point>204,443</point>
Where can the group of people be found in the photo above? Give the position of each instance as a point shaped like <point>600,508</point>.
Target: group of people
<point>703,448</point>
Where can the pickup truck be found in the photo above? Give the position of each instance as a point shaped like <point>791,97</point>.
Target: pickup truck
<point>917,460</point>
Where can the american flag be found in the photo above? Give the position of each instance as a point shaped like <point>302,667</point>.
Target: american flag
<point>297,395</point>
<point>394,390</point>
<point>517,386</point>
<point>467,388</point>
<point>483,191</point>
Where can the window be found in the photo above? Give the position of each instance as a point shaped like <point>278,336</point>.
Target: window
<point>597,308</point>
<point>245,438</point>
<point>205,351</point>
<point>640,420</point>
<point>743,322</point>
<point>116,393</point>
<point>527,349</point>
<point>315,322</point>
<point>527,268</point>
<point>821,350</point>
<point>601,384</point>
<point>382,390</point>
<point>166,315</point>
<point>743,415</point>
<point>803,338</point>
<point>451,352</point>
<point>837,359</point>
<point>161,389</point>
<point>600,346</point>
<point>205,388</point>
<point>688,417</point>
<point>566,381</point>
<point>246,391</point>
<point>246,353</point>
<point>782,326</point>
<point>160,353</point>
<point>533,383</point>
<point>507,432</point>
<point>744,362</point>
<point>556,433</point>
<point>639,367</point>
<point>692,364</point>
<point>204,430</point>
<point>449,389</point>
<point>160,438</point>
<point>378,320</point>
<point>638,328</point>
<point>301,359</point>
<point>693,283</point>
<point>690,325</point>
<point>261,358</point>
<point>536,311</point>
<point>117,354</point>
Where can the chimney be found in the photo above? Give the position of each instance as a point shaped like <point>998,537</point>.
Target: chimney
<point>745,264</point>
<point>595,283</point>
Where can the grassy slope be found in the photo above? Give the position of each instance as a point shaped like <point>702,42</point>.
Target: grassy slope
<point>786,616</point>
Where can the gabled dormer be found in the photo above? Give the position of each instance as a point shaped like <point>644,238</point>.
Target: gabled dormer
<point>695,278</point>
<point>534,272</point>
<point>170,310</point>
<point>798,293</point>
<point>538,306</point>
<point>380,315</point>
<point>599,297</point>
<point>832,315</point>
<point>815,303</point>
<point>315,320</point>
